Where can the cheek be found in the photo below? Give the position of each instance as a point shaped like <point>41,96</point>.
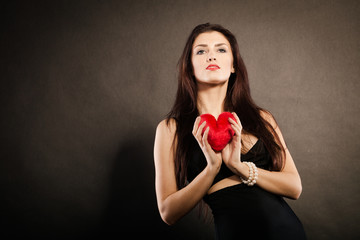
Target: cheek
<point>228,62</point>
<point>196,66</point>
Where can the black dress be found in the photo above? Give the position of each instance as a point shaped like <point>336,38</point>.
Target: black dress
<point>241,211</point>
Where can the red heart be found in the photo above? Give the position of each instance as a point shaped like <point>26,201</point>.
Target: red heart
<point>220,132</point>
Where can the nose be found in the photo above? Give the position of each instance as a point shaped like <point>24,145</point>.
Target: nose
<point>211,57</point>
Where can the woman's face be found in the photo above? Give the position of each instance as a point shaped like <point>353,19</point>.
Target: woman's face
<point>212,58</point>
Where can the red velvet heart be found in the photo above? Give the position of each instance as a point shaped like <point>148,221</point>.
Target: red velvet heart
<point>220,132</point>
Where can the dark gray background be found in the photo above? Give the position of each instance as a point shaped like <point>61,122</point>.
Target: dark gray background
<point>84,84</point>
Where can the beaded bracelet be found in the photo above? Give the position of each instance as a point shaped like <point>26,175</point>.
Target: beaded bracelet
<point>253,174</point>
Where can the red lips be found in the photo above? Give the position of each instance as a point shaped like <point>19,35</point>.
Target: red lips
<point>212,67</point>
<point>220,132</point>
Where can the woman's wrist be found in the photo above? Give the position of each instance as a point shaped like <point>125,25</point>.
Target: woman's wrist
<point>212,170</point>
<point>242,170</point>
<point>253,174</point>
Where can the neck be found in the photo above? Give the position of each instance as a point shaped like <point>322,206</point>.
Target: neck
<point>211,98</point>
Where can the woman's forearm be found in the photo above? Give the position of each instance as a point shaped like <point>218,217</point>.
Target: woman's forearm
<point>181,202</point>
<point>287,184</point>
<point>281,183</point>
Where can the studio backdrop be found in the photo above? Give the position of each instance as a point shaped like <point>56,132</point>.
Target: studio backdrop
<point>85,83</point>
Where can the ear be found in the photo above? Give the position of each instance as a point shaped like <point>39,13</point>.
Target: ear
<point>232,69</point>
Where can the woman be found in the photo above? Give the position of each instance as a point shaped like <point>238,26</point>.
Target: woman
<point>213,79</point>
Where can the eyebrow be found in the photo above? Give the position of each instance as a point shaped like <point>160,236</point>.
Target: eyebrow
<point>205,45</point>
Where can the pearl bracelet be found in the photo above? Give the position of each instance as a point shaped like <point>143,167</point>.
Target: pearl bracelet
<point>253,174</point>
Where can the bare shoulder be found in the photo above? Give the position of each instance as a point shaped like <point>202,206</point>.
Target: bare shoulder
<point>165,135</point>
<point>269,118</point>
<point>164,145</point>
<point>166,127</point>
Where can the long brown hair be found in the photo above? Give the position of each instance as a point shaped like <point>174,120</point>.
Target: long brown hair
<point>238,99</point>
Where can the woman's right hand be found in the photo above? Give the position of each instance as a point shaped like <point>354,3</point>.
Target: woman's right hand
<point>213,158</point>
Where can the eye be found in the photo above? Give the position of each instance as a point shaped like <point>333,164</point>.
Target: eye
<point>222,50</point>
<point>200,52</point>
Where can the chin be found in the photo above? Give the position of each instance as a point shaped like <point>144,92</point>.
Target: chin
<point>213,81</point>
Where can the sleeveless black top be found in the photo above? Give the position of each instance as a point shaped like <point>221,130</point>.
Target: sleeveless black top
<point>197,162</point>
<point>249,212</point>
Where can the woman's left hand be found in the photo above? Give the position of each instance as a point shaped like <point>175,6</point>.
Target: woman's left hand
<point>232,151</point>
